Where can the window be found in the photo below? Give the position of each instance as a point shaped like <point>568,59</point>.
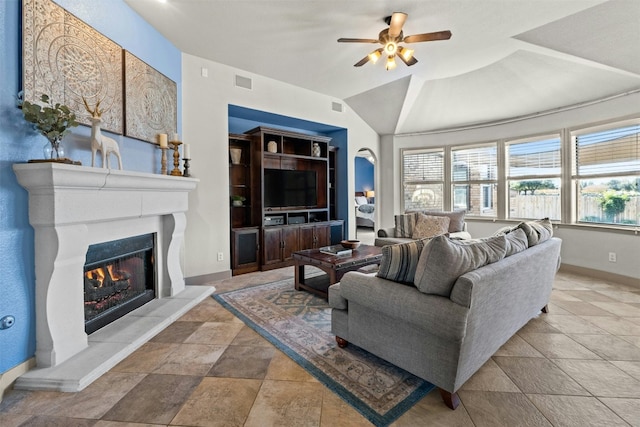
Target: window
<point>533,172</point>
<point>606,174</point>
<point>474,179</point>
<point>423,179</point>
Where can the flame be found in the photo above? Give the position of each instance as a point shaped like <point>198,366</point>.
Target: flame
<point>96,274</point>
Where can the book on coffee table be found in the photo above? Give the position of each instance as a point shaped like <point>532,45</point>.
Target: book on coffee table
<point>338,250</point>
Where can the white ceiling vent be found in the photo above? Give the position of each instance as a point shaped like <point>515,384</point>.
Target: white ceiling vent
<point>336,106</point>
<point>244,82</point>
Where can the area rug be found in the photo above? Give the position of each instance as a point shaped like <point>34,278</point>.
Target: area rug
<point>299,324</point>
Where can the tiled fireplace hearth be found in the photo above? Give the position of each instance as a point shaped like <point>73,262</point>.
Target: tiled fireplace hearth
<point>71,208</point>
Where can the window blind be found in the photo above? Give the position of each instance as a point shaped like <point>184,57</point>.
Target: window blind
<point>534,158</point>
<point>423,166</point>
<point>609,152</point>
<point>479,163</point>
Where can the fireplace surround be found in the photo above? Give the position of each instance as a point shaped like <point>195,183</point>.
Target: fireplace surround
<point>70,208</point>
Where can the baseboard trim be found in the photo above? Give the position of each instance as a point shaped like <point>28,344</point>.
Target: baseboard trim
<point>599,274</point>
<point>8,379</point>
<point>207,278</point>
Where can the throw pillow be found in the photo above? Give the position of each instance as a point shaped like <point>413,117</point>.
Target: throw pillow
<point>516,242</point>
<point>444,260</point>
<point>399,261</point>
<point>537,231</point>
<point>404,225</point>
<point>456,219</point>
<point>430,226</point>
<point>361,200</point>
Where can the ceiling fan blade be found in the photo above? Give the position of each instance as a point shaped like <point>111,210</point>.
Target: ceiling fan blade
<point>348,40</point>
<point>395,26</point>
<point>362,61</point>
<point>428,37</point>
<point>409,62</point>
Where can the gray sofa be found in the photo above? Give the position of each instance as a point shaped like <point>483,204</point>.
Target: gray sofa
<point>445,339</point>
<point>405,223</point>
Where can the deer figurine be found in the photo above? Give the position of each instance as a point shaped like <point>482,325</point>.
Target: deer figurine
<point>99,142</point>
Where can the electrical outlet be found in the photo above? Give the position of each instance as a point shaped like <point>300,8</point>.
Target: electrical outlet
<point>220,256</point>
<point>612,257</point>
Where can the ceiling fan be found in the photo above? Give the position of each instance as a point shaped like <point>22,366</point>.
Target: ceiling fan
<point>391,37</point>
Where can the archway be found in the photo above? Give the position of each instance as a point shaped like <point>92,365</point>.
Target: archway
<point>364,197</point>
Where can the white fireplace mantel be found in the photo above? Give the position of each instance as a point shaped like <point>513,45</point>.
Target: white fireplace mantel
<point>72,207</point>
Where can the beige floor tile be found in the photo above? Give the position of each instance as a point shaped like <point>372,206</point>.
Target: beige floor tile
<point>282,367</point>
<point>494,409</point>
<point>205,311</point>
<point>33,403</point>
<point>627,409</point>
<point>635,320</point>
<point>589,296</point>
<point>619,308</point>
<point>518,347</point>
<point>532,375</point>
<point>219,402</point>
<point>609,347</point>
<point>248,336</point>
<point>622,296</point>
<point>177,332</point>
<point>220,333</point>
<point>490,378</point>
<point>635,340</point>
<point>287,403</point>
<point>538,325</point>
<point>556,309</point>
<point>337,412</point>
<point>615,325</point>
<point>99,397</point>
<point>433,412</point>
<point>558,346</point>
<point>191,359</point>
<point>13,420</point>
<point>631,368</point>
<point>601,378</point>
<point>49,421</point>
<point>570,324</point>
<point>147,358</point>
<point>581,308</point>
<point>102,423</point>
<point>564,295</point>
<point>240,361</point>
<point>575,411</point>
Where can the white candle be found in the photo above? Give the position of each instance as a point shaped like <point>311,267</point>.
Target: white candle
<point>176,137</point>
<point>162,140</point>
<point>186,152</point>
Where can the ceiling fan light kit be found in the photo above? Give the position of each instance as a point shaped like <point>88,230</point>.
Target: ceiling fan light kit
<point>390,38</point>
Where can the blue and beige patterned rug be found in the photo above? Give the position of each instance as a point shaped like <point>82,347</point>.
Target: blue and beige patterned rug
<point>299,324</point>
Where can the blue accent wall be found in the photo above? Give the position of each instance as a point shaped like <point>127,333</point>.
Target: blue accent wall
<point>363,175</point>
<point>19,143</point>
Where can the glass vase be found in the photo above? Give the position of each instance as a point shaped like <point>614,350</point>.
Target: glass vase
<point>54,150</point>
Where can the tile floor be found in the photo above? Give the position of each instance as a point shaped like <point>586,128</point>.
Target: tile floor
<point>579,365</point>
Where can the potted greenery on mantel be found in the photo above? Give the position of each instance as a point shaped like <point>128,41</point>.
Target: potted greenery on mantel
<point>52,121</point>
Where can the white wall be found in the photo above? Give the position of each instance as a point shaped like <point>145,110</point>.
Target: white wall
<point>582,247</point>
<point>205,127</point>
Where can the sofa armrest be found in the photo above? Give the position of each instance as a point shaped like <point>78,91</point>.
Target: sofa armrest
<point>438,315</point>
<point>387,232</point>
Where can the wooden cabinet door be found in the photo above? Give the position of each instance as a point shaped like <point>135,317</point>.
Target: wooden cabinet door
<point>271,245</point>
<point>244,250</point>
<point>322,235</point>
<point>306,238</point>
<point>290,242</point>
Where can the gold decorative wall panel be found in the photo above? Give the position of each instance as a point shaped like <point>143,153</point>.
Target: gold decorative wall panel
<point>150,101</point>
<point>66,59</point>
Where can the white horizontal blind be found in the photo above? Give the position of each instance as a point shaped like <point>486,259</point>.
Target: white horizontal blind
<point>609,152</point>
<point>423,165</point>
<point>539,158</point>
<point>474,164</point>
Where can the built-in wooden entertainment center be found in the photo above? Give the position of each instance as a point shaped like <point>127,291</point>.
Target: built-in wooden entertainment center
<point>287,181</point>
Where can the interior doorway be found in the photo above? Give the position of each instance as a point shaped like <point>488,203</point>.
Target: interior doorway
<point>364,199</point>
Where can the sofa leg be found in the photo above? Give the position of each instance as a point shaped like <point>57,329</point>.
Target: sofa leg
<point>450,399</point>
<point>545,309</point>
<point>342,343</point>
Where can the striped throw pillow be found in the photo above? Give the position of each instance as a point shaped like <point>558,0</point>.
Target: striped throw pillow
<point>405,224</point>
<point>399,261</point>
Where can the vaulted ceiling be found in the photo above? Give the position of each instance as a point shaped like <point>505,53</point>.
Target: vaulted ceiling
<point>505,59</point>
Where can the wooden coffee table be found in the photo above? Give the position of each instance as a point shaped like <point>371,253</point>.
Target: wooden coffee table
<point>334,265</point>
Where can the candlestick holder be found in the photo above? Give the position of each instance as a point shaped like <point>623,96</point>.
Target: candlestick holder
<point>163,160</point>
<point>186,168</point>
<point>176,158</point>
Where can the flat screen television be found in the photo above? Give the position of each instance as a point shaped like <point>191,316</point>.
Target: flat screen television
<point>290,188</point>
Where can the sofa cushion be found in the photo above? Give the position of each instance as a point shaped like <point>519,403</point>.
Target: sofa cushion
<point>516,242</point>
<point>444,260</point>
<point>427,226</point>
<point>399,261</point>
<point>404,225</point>
<point>456,219</point>
<point>537,231</point>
